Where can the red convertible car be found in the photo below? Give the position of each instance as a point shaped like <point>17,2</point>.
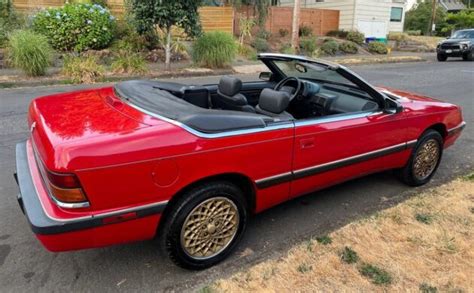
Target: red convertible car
<point>189,164</point>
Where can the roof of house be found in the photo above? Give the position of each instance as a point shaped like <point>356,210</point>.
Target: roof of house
<point>451,5</point>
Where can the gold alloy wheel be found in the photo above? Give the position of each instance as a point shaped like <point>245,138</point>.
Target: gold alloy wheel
<point>426,159</point>
<point>209,228</point>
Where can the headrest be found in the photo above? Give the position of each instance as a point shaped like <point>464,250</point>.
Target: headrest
<point>229,85</point>
<point>273,101</point>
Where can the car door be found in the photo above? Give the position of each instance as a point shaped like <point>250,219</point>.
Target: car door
<point>334,149</point>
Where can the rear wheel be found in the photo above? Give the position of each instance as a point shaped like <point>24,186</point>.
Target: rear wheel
<point>424,160</point>
<point>442,57</point>
<point>205,225</point>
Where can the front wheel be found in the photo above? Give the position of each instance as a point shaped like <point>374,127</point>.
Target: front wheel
<point>469,56</point>
<point>205,225</point>
<point>424,159</point>
<point>442,57</point>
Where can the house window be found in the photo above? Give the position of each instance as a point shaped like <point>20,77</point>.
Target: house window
<point>396,14</point>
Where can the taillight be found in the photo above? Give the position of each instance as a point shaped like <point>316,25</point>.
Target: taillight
<point>65,188</point>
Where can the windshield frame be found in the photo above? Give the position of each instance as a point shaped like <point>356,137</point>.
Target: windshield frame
<point>269,60</point>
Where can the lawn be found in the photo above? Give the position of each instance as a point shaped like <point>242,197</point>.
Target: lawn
<point>424,244</point>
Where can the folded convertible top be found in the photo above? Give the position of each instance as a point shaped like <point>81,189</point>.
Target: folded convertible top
<point>152,97</point>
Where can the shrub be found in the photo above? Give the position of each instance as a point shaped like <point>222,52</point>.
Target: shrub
<point>396,36</point>
<point>129,63</point>
<point>214,49</point>
<point>305,31</point>
<point>330,47</point>
<point>377,47</point>
<point>248,52</point>
<point>261,45</point>
<point>283,32</point>
<point>29,52</point>
<point>287,49</point>
<point>308,45</point>
<point>349,47</point>
<point>263,34</point>
<point>82,70</point>
<point>338,33</point>
<point>349,256</point>
<point>356,37</point>
<point>76,26</point>
<point>413,33</point>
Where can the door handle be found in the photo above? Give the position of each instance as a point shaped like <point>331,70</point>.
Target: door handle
<point>307,143</point>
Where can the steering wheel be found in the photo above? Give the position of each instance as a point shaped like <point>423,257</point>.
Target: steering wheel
<point>284,81</point>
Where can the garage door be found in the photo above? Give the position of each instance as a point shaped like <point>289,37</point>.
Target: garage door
<point>373,28</point>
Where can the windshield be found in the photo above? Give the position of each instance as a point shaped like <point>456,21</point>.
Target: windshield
<point>311,71</point>
<point>463,35</point>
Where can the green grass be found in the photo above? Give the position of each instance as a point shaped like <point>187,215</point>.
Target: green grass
<point>29,52</point>
<point>304,268</point>
<point>427,288</point>
<point>376,274</point>
<point>129,63</point>
<point>324,240</point>
<point>349,256</point>
<point>469,176</point>
<point>424,218</point>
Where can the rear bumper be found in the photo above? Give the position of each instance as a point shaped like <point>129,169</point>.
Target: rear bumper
<point>85,231</point>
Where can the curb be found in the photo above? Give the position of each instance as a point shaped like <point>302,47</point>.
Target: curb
<point>108,79</point>
<point>239,69</point>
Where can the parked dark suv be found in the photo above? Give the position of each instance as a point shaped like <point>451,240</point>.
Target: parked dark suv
<point>460,44</point>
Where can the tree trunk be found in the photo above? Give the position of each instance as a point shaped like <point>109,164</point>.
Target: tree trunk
<point>168,50</point>
<point>295,26</point>
<point>433,18</point>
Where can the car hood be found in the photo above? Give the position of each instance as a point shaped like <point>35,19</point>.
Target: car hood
<point>414,101</point>
<point>455,41</point>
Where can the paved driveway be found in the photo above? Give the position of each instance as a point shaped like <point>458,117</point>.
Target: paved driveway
<point>25,265</point>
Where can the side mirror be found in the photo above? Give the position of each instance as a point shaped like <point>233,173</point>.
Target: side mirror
<point>392,107</point>
<point>265,76</point>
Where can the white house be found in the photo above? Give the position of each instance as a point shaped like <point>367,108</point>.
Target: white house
<point>375,18</point>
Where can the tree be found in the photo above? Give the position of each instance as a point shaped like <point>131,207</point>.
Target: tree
<point>419,17</point>
<point>295,27</point>
<point>261,8</point>
<point>164,14</point>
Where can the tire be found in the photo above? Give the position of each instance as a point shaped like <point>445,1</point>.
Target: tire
<point>413,173</point>
<point>469,56</point>
<point>442,57</point>
<point>188,215</point>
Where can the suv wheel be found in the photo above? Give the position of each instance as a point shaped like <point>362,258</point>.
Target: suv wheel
<point>468,56</point>
<point>442,57</point>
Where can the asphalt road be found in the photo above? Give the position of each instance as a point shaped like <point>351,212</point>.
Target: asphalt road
<point>26,266</point>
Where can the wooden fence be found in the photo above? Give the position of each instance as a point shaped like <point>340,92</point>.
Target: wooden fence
<point>321,21</point>
<point>212,18</point>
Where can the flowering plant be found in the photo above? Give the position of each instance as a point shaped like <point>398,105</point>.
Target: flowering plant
<point>76,27</point>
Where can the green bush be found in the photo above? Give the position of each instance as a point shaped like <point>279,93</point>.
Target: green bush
<point>377,47</point>
<point>263,34</point>
<point>305,31</point>
<point>287,49</point>
<point>396,36</point>
<point>283,32</point>
<point>83,70</point>
<point>356,37</point>
<point>330,47</point>
<point>29,52</point>
<point>214,49</point>
<point>338,33</point>
<point>76,27</point>
<point>247,51</point>
<point>413,33</point>
<point>261,45</point>
<point>349,47</point>
<point>129,63</point>
<point>308,45</point>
